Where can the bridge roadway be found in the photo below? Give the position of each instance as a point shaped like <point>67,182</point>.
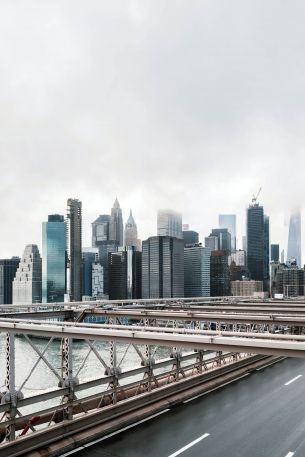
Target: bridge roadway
<point>261,415</point>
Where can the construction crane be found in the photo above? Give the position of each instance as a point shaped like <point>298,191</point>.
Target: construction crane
<point>255,197</point>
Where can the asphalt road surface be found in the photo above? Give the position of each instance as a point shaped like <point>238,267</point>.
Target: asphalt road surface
<point>261,415</point>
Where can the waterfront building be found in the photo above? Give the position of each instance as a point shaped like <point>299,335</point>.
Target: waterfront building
<point>220,274</point>
<point>246,288</point>
<point>125,274</point>
<point>275,252</point>
<point>28,281</point>
<point>294,238</point>
<point>162,267</point>
<point>53,259</point>
<point>100,229</point>
<point>74,245</point>
<point>288,280</point>
<point>116,224</point>
<point>8,268</point>
<point>229,221</point>
<point>169,223</point>
<point>196,271</point>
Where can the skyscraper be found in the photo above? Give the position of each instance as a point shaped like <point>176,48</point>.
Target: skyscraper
<point>53,259</point>
<point>212,242</point>
<point>74,244</point>
<point>8,268</point>
<point>131,233</point>
<point>169,223</point>
<point>196,271</point>
<point>224,238</point>
<point>125,274</point>
<point>89,257</point>
<point>100,229</point>
<point>105,248</point>
<point>190,237</point>
<point>162,267</point>
<point>27,282</point>
<point>294,238</point>
<point>266,254</point>
<point>229,221</point>
<point>97,280</point>
<point>116,224</point>
<point>275,252</point>
<point>220,274</point>
<point>256,254</point>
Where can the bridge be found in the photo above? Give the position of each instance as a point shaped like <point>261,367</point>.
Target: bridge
<point>147,356</point>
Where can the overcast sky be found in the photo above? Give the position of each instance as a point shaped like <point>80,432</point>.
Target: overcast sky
<point>192,105</point>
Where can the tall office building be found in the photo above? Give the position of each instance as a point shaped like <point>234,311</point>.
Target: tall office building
<point>105,248</point>
<point>220,274</point>
<point>89,257</point>
<point>162,267</point>
<point>125,274</point>
<point>8,268</point>
<point>53,259</point>
<point>294,238</point>
<point>74,245</point>
<point>229,221</point>
<point>239,258</point>
<point>196,271</point>
<point>224,238</point>
<point>100,229</point>
<point>190,237</point>
<point>266,253</point>
<point>212,242</point>
<point>255,242</point>
<point>97,280</point>
<point>169,223</point>
<point>27,282</point>
<point>275,252</point>
<point>131,233</point>
<point>116,224</point>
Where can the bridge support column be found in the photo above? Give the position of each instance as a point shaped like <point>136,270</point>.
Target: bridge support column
<point>11,395</point>
<point>67,376</point>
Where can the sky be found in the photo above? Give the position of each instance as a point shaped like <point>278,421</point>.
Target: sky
<point>192,105</point>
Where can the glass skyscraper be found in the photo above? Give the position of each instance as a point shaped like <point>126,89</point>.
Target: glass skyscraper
<point>197,271</point>
<point>258,244</point>
<point>294,239</point>
<point>229,221</point>
<point>162,267</point>
<point>169,223</point>
<point>53,259</point>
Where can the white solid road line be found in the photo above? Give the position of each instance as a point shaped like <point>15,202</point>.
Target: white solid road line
<point>292,380</point>
<point>290,454</point>
<point>189,445</point>
<point>81,448</point>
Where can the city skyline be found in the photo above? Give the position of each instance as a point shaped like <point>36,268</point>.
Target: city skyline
<point>138,125</point>
<point>151,224</point>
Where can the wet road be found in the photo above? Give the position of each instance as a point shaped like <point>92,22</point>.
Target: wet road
<point>261,415</point>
